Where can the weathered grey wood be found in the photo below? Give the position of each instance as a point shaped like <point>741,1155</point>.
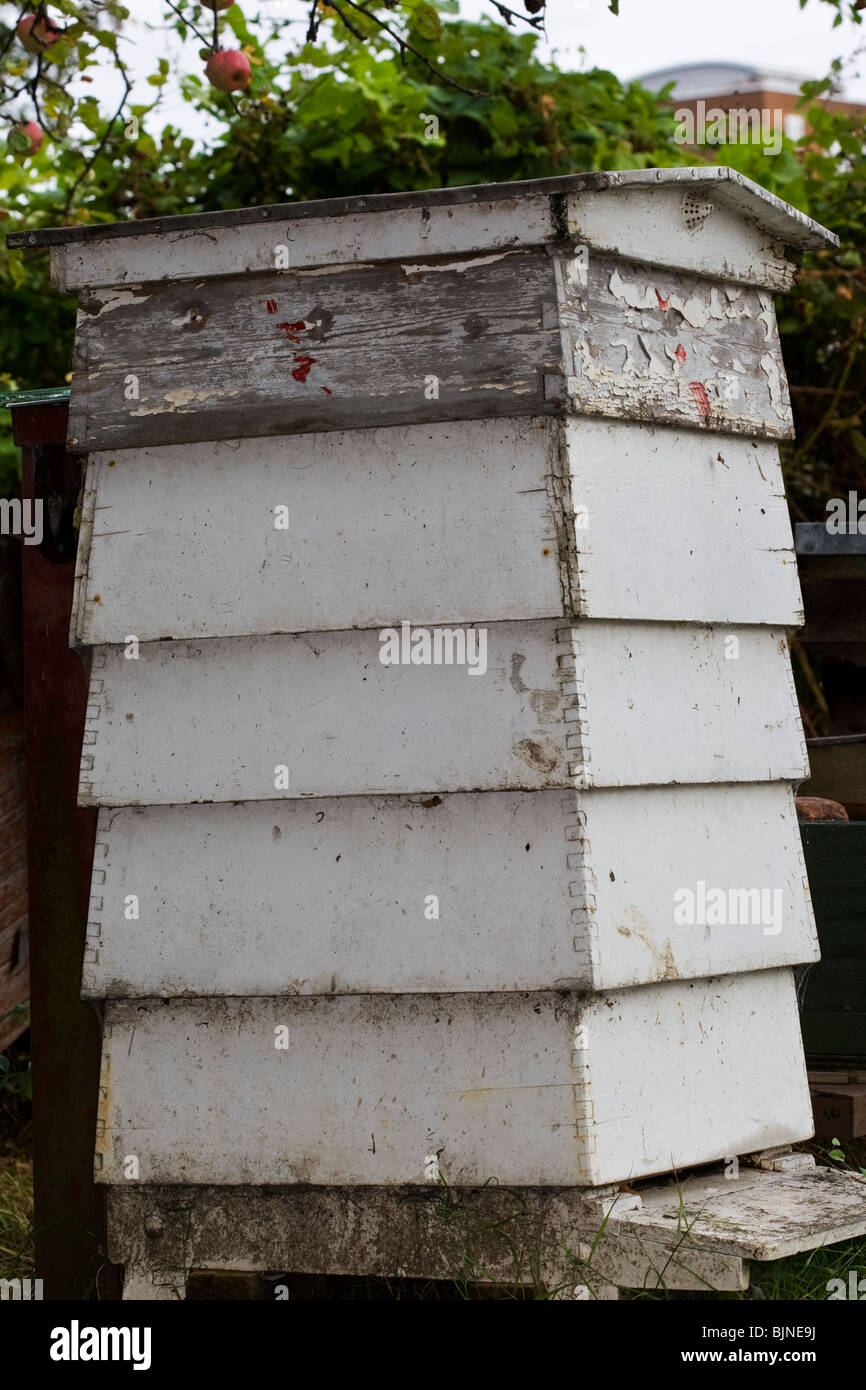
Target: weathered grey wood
<point>491,521</point>
<point>657,345</point>
<point>492,1086</point>
<point>764,1216</point>
<point>522,1236</point>
<point>540,890</point>
<point>366,342</point>
<point>510,1235</point>
<point>603,704</point>
<point>211,360</point>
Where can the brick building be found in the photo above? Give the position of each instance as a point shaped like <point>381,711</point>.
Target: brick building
<point>738,85</point>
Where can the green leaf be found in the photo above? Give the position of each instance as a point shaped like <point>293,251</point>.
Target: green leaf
<point>17,142</point>
<point>427,21</point>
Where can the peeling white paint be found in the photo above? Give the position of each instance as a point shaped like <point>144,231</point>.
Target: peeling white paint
<point>636,296</point>
<point>768,314</point>
<point>777,396</point>
<point>117,299</point>
<point>697,310</point>
<point>429,268</point>
<point>181,396</point>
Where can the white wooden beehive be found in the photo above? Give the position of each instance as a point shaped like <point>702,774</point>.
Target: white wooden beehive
<point>541,413</point>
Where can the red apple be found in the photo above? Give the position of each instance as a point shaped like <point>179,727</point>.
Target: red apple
<point>35,134</point>
<point>37,34</point>
<point>228,71</point>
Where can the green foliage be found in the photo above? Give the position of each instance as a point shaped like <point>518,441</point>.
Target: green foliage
<point>362,125</point>
<point>844,9</point>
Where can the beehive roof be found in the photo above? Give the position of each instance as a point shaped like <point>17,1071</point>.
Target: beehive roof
<point>731,188</point>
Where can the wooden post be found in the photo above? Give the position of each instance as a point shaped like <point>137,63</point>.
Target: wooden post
<point>70,1210</point>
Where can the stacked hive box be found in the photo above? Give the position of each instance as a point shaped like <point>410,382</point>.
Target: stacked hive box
<point>528,914</point>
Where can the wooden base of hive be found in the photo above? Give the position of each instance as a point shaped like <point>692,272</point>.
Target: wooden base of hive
<point>700,1233</point>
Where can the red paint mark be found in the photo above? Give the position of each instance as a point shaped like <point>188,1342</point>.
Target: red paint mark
<point>271,306</point>
<point>664,304</point>
<point>302,370</point>
<point>327,390</point>
<point>680,354</point>
<point>701,399</point>
<point>292,330</point>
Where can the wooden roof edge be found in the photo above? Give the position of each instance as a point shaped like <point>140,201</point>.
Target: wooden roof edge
<point>736,191</point>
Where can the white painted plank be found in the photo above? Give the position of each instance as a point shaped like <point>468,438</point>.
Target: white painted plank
<point>351,239</point>
<point>683,227</point>
<point>720,184</point>
<point>535,890</point>
<point>451,522</point>
<point>680,526</point>
<point>375,1090</point>
<point>603,704</point>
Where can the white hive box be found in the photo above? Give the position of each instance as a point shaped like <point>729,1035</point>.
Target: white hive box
<point>494,1085</point>
<point>544,414</point>
<point>587,881</point>
<point>604,705</point>
<point>444,523</point>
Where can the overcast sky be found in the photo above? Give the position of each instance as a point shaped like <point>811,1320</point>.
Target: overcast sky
<point>648,34</point>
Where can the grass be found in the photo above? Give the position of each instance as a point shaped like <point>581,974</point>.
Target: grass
<point>16,1218</point>
<point>16,1172</point>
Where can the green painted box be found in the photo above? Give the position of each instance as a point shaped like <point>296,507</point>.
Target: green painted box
<point>833,992</point>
